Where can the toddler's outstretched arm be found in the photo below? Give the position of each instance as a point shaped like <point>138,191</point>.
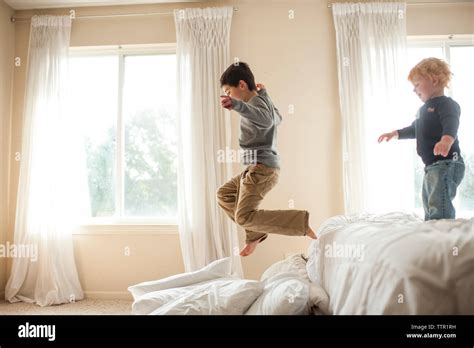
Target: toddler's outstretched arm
<point>388,136</point>
<point>404,133</point>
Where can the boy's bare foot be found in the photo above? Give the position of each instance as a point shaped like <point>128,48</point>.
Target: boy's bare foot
<point>250,247</point>
<point>311,233</point>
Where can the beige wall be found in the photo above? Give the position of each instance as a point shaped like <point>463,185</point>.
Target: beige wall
<point>7,34</point>
<point>296,59</point>
<point>440,19</point>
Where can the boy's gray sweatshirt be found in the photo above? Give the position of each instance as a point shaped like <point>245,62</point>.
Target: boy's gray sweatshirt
<point>258,129</point>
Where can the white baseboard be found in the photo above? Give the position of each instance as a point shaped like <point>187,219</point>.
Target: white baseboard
<point>108,295</point>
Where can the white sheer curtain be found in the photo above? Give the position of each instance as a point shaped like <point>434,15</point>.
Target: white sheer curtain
<point>204,129</point>
<point>371,51</point>
<point>52,191</point>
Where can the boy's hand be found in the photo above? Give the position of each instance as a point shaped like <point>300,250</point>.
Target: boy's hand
<point>260,86</point>
<point>443,146</point>
<point>388,136</point>
<point>226,102</point>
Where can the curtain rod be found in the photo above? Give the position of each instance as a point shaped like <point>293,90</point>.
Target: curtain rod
<point>17,19</point>
<point>430,3</point>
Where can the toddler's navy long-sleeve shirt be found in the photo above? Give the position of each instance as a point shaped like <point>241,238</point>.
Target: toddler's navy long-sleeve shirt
<point>439,116</point>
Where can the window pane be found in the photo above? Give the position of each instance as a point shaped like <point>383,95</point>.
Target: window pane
<point>93,100</point>
<point>463,70</point>
<point>149,103</point>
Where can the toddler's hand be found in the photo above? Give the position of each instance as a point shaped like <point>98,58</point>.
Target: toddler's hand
<point>260,86</point>
<point>388,136</point>
<point>226,102</point>
<point>443,146</point>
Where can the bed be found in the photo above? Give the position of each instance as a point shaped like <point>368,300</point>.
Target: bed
<point>361,264</point>
<point>394,264</point>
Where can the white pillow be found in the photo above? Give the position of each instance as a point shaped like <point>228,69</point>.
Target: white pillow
<point>229,296</point>
<point>284,294</point>
<point>294,263</point>
<point>217,269</point>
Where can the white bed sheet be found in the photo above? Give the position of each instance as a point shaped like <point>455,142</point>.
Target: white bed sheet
<point>407,266</point>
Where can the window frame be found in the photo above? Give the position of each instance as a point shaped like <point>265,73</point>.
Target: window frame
<point>119,224</point>
<point>445,42</point>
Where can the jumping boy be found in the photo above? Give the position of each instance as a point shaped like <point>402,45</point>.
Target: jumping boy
<point>241,196</point>
<point>435,129</point>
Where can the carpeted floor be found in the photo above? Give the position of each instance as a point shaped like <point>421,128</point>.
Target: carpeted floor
<point>84,307</point>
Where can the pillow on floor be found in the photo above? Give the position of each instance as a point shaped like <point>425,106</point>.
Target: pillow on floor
<point>225,296</point>
<point>284,294</point>
<point>294,263</point>
<point>217,269</point>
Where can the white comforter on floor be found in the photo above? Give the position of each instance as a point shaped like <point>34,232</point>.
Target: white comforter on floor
<point>213,290</point>
<point>395,264</point>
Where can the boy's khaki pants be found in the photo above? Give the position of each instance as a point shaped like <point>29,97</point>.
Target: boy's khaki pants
<point>241,196</point>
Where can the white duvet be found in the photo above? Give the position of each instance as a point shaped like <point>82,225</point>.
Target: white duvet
<point>210,290</point>
<point>283,290</point>
<point>395,264</point>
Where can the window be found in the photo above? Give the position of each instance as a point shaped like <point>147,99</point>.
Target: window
<point>126,101</point>
<point>460,55</point>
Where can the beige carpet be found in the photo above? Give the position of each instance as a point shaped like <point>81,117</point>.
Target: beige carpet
<point>84,307</point>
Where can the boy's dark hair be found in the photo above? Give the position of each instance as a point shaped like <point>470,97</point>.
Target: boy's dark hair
<point>235,73</point>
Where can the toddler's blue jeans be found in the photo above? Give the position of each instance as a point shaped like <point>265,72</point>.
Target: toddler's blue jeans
<point>440,184</point>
